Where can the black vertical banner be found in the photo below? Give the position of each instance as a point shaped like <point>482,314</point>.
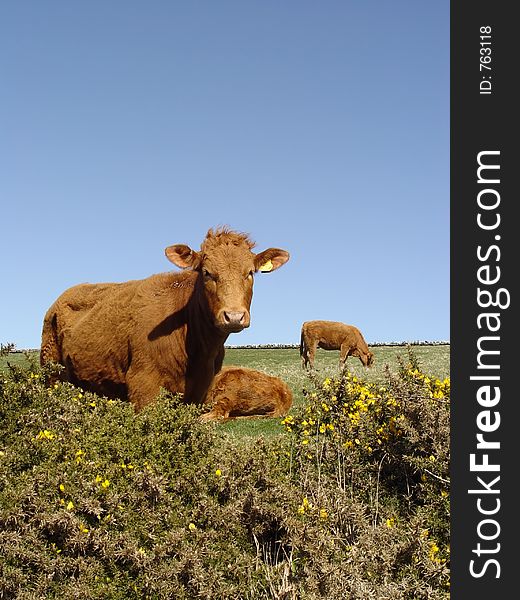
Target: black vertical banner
<point>485,363</point>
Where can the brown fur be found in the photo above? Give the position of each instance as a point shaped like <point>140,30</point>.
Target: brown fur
<point>332,335</point>
<point>242,392</point>
<point>130,339</point>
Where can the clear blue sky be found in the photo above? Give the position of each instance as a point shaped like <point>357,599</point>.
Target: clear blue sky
<point>318,127</point>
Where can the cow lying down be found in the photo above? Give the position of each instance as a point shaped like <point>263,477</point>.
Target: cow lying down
<point>242,392</point>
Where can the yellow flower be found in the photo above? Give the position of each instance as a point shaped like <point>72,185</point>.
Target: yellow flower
<point>390,522</point>
<point>105,483</point>
<point>192,527</point>
<point>433,552</point>
<point>82,528</point>
<point>57,550</point>
<point>323,513</point>
<point>218,472</point>
<point>305,442</point>
<point>70,505</point>
<point>62,487</point>
<point>306,503</point>
<point>45,434</point>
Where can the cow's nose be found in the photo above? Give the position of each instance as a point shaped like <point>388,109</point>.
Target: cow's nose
<point>234,318</point>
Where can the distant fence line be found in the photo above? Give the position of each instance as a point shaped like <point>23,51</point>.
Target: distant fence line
<point>283,346</point>
<point>291,346</point>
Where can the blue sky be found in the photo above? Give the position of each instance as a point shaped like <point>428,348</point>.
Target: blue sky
<point>321,128</point>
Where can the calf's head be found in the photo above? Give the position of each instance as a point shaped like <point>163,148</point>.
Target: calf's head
<point>226,265</point>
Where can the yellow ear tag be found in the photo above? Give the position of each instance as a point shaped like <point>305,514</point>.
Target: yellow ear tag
<point>266,267</point>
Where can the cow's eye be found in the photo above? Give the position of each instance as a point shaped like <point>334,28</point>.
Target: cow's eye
<point>208,276</point>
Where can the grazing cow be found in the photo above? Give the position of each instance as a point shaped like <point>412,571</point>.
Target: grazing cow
<point>242,392</point>
<point>331,335</point>
<point>129,339</point>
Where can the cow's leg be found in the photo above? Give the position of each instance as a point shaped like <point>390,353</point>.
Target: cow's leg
<point>304,358</point>
<point>311,353</point>
<point>218,413</point>
<point>304,352</point>
<point>344,353</point>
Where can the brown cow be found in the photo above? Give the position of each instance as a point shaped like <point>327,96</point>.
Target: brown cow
<point>129,339</point>
<point>242,392</point>
<point>332,335</point>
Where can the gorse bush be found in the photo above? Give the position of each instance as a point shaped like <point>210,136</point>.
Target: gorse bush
<point>351,501</point>
<point>387,447</point>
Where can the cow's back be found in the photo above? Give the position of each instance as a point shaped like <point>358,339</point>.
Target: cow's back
<point>62,317</point>
<point>328,334</point>
<point>86,329</point>
<point>97,330</point>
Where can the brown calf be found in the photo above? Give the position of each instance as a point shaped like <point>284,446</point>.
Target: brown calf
<point>332,335</point>
<point>242,392</point>
<point>129,339</point>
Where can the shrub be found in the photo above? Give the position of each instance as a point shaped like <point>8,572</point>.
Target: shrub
<point>99,502</point>
<point>379,456</point>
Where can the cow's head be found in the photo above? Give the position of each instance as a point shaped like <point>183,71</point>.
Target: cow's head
<point>226,265</point>
<point>370,358</point>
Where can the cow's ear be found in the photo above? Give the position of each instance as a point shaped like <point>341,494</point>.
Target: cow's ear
<point>182,256</point>
<point>270,260</point>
